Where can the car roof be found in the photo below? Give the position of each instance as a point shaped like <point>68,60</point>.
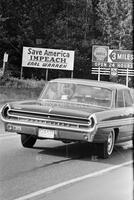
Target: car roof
<point>104,84</point>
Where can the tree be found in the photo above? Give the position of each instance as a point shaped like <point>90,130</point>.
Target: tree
<point>64,24</point>
<point>25,22</point>
<point>115,23</point>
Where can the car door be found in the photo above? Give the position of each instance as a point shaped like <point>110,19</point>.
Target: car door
<point>129,111</point>
<point>124,104</point>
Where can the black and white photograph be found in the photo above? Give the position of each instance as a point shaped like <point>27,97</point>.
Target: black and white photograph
<point>66,99</point>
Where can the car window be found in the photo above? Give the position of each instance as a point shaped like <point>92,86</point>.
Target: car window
<point>78,93</point>
<point>120,99</point>
<point>127,98</point>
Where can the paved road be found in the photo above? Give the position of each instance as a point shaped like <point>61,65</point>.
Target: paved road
<point>25,171</point>
<point>119,187</point>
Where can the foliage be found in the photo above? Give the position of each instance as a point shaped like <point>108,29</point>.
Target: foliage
<point>21,83</point>
<point>10,89</point>
<point>63,24</point>
<point>6,94</point>
<point>115,19</point>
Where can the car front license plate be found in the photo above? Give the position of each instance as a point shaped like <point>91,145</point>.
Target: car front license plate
<point>46,133</point>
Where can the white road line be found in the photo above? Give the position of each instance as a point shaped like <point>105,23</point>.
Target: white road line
<point>54,187</point>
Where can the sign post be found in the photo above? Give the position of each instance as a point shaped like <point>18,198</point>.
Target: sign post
<point>98,73</point>
<point>72,74</point>
<point>46,74</point>
<point>127,78</point>
<point>21,73</point>
<point>99,57</point>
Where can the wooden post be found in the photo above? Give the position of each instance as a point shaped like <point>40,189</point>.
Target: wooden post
<point>99,74</point>
<point>71,74</point>
<point>127,78</point>
<point>4,66</point>
<point>46,74</point>
<point>21,73</point>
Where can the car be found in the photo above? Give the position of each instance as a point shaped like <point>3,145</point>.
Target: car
<point>74,110</point>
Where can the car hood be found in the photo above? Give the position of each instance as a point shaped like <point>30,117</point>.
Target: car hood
<point>62,108</point>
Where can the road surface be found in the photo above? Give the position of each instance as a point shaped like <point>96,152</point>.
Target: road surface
<point>53,170</point>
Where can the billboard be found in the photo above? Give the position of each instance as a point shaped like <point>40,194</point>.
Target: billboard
<point>114,62</point>
<point>102,56</point>
<point>100,53</point>
<point>48,58</point>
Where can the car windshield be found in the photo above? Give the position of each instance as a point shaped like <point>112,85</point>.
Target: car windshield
<point>78,93</point>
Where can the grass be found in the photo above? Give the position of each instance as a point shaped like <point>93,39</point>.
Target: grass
<point>21,83</point>
<point>19,89</point>
<point>7,94</point>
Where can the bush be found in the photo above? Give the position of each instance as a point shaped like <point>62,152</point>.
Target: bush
<point>21,83</point>
<point>19,89</point>
<point>8,94</point>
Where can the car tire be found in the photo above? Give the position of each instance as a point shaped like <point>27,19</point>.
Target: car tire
<point>28,140</point>
<point>105,149</point>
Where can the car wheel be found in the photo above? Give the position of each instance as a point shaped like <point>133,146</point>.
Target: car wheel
<point>105,149</point>
<point>28,140</point>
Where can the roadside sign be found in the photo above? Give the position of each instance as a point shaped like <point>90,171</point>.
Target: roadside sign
<point>120,56</point>
<point>99,64</point>
<point>112,62</point>
<point>120,65</point>
<point>114,72</point>
<point>5,58</point>
<point>48,58</point>
<point>100,53</point>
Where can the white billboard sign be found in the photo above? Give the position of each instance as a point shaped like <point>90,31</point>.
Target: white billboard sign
<point>48,58</point>
<point>5,58</point>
